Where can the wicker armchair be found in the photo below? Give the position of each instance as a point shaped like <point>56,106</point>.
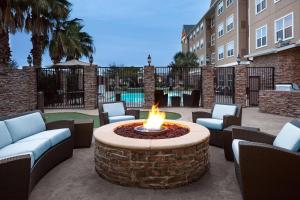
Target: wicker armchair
<point>192,100</point>
<point>216,136</point>
<point>265,171</point>
<point>106,117</point>
<point>160,98</point>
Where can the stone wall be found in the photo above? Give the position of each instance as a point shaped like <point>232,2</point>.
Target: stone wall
<point>208,92</point>
<point>280,103</point>
<point>241,85</point>
<point>90,87</point>
<point>149,85</point>
<point>18,91</point>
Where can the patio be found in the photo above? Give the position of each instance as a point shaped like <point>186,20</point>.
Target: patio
<point>76,177</point>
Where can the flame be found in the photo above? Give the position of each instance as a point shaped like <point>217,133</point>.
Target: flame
<point>155,119</point>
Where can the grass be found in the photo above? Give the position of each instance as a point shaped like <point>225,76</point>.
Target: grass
<point>50,117</point>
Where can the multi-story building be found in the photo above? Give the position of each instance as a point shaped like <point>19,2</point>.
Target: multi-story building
<point>221,34</point>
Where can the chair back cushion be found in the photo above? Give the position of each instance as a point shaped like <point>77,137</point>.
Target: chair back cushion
<point>221,110</point>
<point>25,126</point>
<point>288,138</point>
<point>5,137</point>
<point>114,109</point>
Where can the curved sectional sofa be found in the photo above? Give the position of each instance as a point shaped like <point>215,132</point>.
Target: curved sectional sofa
<point>29,148</point>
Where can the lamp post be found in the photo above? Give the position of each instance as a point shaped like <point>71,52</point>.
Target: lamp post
<point>238,59</point>
<point>91,59</point>
<point>29,60</point>
<point>149,60</point>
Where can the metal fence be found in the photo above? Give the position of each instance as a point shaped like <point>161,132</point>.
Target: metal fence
<point>259,78</point>
<point>121,84</point>
<point>62,87</point>
<point>178,86</point>
<point>224,85</point>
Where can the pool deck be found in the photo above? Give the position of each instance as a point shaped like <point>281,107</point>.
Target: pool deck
<point>251,117</point>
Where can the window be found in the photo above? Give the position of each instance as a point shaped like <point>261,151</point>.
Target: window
<point>275,1</point>
<point>191,49</point>
<point>202,60</point>
<point>201,27</point>
<point>228,2</point>
<point>201,44</point>
<point>213,39</point>
<point>221,30</point>
<point>198,45</point>
<point>212,22</point>
<point>229,23</point>
<point>260,5</point>
<point>191,37</point>
<point>194,47</point>
<point>230,49</point>
<point>261,37</point>
<point>221,53</point>
<point>220,8</point>
<point>284,28</point>
<point>194,33</point>
<point>213,58</point>
<point>197,30</point>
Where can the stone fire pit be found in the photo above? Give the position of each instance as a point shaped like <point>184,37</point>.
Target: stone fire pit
<point>151,163</point>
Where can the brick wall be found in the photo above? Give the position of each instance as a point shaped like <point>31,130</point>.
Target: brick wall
<point>208,93</point>
<point>18,91</point>
<point>90,87</point>
<point>240,85</point>
<point>280,103</point>
<point>286,64</point>
<point>149,85</point>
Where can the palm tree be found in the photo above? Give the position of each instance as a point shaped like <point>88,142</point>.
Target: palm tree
<point>11,20</point>
<point>40,19</point>
<point>188,59</point>
<point>69,41</point>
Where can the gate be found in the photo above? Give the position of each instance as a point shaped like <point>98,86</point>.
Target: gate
<point>259,78</point>
<point>224,85</point>
<point>178,86</point>
<point>62,87</point>
<point>121,84</point>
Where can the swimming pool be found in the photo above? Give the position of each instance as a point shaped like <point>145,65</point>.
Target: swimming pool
<point>134,97</point>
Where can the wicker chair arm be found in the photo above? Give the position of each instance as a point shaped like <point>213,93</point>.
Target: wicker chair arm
<point>252,136</point>
<point>268,172</point>
<point>15,177</point>
<point>229,120</point>
<point>103,118</point>
<point>200,114</point>
<point>135,113</point>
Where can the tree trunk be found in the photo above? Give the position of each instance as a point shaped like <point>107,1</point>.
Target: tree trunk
<point>37,50</point>
<point>5,52</point>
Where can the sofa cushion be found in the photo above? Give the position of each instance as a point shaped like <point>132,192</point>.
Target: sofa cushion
<point>288,138</point>
<point>25,126</point>
<point>220,111</point>
<point>54,136</point>
<point>114,109</point>
<point>210,123</point>
<point>36,147</point>
<point>236,149</point>
<point>121,118</point>
<point>29,153</point>
<point>5,138</point>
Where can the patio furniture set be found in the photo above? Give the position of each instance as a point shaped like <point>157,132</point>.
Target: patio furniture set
<point>267,167</point>
<point>188,100</point>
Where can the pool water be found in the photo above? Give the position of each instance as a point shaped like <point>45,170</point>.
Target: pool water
<point>129,97</point>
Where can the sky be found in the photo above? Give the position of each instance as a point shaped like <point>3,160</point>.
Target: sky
<point>126,31</point>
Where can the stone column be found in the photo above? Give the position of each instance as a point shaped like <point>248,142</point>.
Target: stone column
<point>90,87</point>
<point>31,76</point>
<point>208,92</point>
<point>149,85</point>
<point>241,85</point>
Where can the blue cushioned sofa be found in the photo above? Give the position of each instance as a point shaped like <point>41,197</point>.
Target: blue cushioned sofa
<point>29,148</point>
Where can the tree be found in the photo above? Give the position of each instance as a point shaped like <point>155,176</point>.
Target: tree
<point>12,14</point>
<point>188,59</point>
<point>70,41</point>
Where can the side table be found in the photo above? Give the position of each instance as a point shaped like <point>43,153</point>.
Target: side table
<point>83,133</point>
<point>227,139</point>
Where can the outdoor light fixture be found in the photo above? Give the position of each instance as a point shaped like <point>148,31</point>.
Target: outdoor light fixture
<point>238,59</point>
<point>29,60</point>
<point>91,59</point>
<point>149,60</point>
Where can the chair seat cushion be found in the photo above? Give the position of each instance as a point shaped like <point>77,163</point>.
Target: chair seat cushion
<point>114,109</point>
<point>5,137</point>
<point>288,138</point>
<point>25,126</point>
<point>236,149</point>
<point>215,124</point>
<point>54,136</point>
<point>220,111</point>
<point>121,118</point>
<point>36,147</point>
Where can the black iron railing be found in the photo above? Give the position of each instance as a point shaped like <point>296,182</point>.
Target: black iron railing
<point>224,85</point>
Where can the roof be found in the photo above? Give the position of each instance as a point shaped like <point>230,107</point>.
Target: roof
<point>70,63</point>
<point>213,2</point>
<point>188,29</point>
